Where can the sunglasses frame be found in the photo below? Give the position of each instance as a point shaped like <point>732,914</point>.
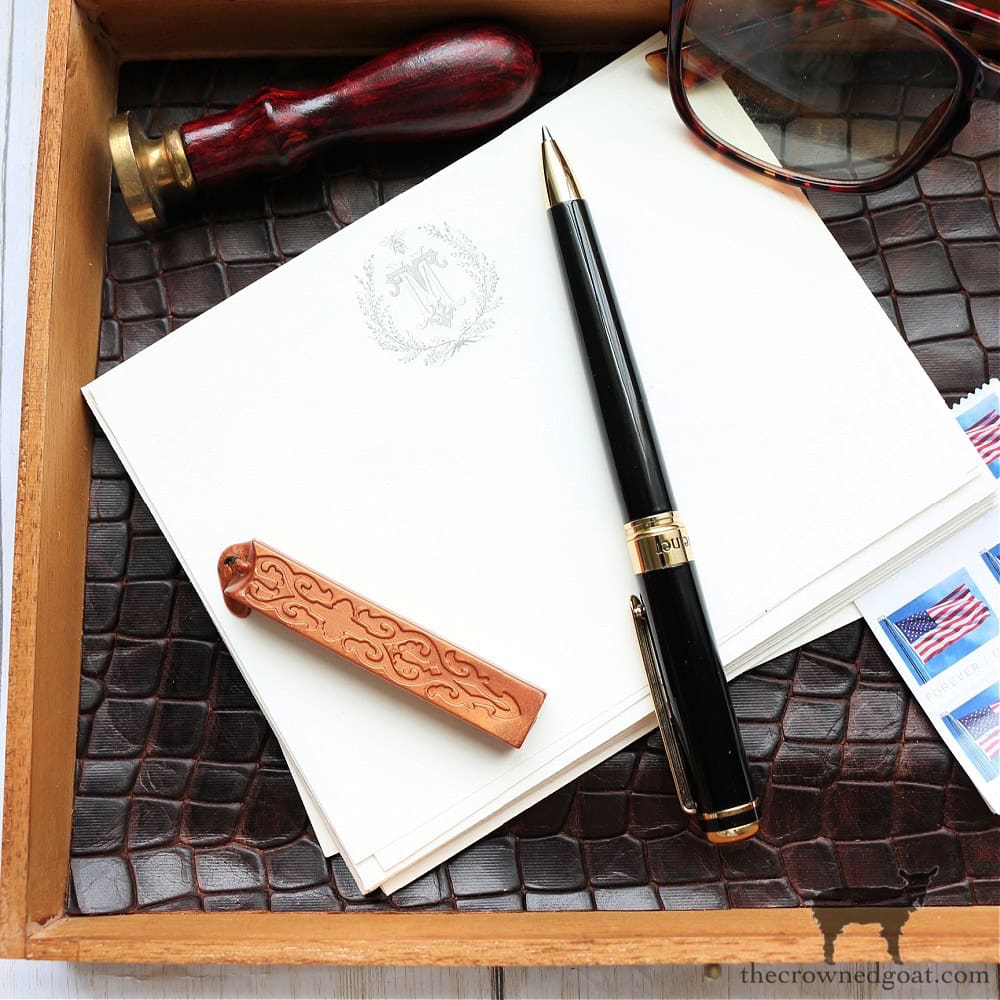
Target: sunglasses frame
<point>976,79</point>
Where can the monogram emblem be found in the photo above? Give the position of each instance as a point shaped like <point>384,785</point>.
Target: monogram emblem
<point>427,293</point>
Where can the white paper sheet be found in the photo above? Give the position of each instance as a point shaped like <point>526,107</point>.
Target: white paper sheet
<point>473,493</point>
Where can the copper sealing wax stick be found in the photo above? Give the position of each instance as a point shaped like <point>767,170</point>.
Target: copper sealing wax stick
<point>255,577</point>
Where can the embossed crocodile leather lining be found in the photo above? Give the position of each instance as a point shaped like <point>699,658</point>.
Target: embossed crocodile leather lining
<point>183,801</point>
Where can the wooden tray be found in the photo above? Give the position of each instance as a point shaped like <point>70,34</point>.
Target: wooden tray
<point>86,43</point>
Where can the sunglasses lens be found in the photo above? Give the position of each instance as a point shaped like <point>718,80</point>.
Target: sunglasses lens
<point>841,91</point>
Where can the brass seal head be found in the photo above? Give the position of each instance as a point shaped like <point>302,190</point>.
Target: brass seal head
<point>147,168</point>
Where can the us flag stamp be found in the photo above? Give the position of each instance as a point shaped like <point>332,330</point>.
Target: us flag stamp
<point>941,626</point>
<point>979,417</point>
<point>976,726</point>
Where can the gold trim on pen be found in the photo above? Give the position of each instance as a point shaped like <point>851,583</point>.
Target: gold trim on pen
<point>733,834</point>
<point>661,703</point>
<point>732,810</point>
<point>657,542</point>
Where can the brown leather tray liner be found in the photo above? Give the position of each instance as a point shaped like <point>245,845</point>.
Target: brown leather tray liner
<point>183,801</point>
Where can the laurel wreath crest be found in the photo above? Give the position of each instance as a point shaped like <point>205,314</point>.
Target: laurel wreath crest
<point>410,345</point>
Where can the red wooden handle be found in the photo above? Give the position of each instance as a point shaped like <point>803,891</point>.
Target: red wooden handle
<point>448,82</point>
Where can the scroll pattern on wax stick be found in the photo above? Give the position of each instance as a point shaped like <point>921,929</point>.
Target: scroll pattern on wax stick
<point>255,577</point>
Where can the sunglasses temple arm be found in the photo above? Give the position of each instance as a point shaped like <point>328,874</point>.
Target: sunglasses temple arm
<point>987,84</point>
<point>697,67</point>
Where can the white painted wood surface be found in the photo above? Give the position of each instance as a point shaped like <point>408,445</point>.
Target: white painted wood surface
<point>22,37</point>
<point>55,981</point>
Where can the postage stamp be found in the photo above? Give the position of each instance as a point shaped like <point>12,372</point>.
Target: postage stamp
<point>937,620</point>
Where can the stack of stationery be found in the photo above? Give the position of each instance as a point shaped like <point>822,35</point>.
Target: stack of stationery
<point>404,408</point>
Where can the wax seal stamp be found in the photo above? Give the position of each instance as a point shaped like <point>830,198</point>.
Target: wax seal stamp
<point>255,577</point>
<point>449,82</point>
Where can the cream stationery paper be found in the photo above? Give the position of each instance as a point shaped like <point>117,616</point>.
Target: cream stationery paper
<point>404,407</point>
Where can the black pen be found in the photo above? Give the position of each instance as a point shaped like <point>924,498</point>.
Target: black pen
<point>696,719</point>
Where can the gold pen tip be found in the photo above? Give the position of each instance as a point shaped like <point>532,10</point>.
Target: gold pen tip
<point>546,134</point>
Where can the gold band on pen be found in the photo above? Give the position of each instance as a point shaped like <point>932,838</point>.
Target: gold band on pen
<point>732,810</point>
<point>657,542</point>
<point>733,833</point>
<point>727,835</point>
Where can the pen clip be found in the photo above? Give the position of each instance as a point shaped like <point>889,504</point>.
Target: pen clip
<point>661,703</point>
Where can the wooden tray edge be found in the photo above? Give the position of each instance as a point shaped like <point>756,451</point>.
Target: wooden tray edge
<point>934,934</point>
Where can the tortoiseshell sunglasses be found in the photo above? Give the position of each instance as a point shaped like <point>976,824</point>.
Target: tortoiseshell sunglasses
<point>840,95</point>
